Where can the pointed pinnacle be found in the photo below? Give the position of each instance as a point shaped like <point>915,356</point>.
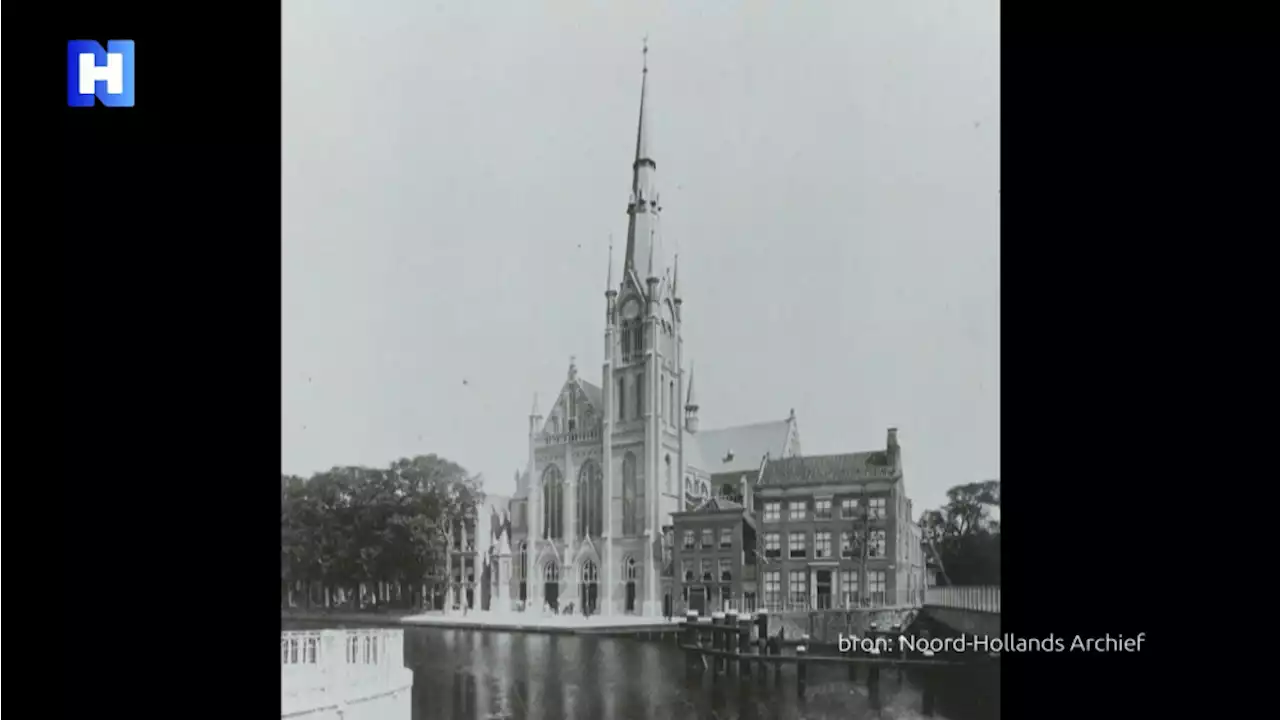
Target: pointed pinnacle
<point>608,286</point>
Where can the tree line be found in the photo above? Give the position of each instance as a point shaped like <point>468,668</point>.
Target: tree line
<point>965,536</point>
<point>353,528</point>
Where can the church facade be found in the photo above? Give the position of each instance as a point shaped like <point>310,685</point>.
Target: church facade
<point>611,461</point>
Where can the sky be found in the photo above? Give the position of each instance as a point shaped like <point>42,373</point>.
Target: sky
<point>829,174</point>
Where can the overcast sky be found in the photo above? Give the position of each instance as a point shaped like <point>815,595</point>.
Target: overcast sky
<point>829,173</point>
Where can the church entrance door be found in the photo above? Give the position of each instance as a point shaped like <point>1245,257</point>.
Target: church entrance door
<point>589,589</point>
<point>632,572</point>
<point>551,584</point>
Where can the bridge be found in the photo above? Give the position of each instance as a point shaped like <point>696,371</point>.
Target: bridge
<point>347,674</point>
<point>973,610</point>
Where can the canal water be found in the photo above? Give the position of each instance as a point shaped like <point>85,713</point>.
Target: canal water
<point>475,675</point>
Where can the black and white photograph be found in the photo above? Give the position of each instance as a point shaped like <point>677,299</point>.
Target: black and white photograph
<point>640,360</point>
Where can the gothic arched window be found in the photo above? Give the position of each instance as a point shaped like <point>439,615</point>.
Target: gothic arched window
<point>673,410</point>
<point>552,503</point>
<point>590,500</point>
<point>671,480</point>
<point>637,338</point>
<point>629,495</point>
<point>640,394</point>
<point>522,566</point>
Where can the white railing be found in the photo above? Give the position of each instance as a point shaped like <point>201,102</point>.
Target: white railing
<point>574,436</point>
<point>331,671</point>
<point>984,598</point>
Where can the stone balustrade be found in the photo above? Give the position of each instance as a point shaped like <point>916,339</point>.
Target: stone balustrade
<point>564,438</point>
<point>352,674</point>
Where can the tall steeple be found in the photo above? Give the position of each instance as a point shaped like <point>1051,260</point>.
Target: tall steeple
<point>643,207</point>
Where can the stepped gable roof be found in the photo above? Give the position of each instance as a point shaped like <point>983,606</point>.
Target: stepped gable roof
<point>855,467</point>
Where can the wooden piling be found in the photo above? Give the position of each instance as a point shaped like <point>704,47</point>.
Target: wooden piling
<point>690,630</point>
<point>802,668</point>
<point>717,640</point>
<point>744,646</point>
<point>927,696</point>
<point>873,679</point>
<point>762,624</point>
<point>762,649</point>
<point>730,637</point>
<point>776,649</point>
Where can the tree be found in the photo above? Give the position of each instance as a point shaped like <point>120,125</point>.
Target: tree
<point>964,536</point>
<point>353,526</point>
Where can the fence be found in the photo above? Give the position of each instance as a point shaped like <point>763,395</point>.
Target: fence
<point>329,672</point>
<point>979,598</point>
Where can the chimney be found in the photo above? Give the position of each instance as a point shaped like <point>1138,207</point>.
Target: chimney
<point>745,491</point>
<point>891,445</point>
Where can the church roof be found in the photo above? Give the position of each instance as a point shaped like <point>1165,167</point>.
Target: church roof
<point>748,443</point>
<point>594,394</point>
<point>856,467</point>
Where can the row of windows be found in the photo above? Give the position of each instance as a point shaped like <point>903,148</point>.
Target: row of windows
<point>797,544</point>
<point>590,500</point>
<point>798,588</point>
<point>708,537</point>
<point>707,570</point>
<point>799,509</point>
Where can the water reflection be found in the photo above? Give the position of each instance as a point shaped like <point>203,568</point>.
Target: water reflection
<point>468,675</point>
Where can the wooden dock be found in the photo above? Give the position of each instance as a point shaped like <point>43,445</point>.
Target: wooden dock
<point>726,643</point>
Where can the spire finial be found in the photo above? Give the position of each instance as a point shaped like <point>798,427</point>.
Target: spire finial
<point>645,53</point>
<point>675,275</point>
<point>535,412</point>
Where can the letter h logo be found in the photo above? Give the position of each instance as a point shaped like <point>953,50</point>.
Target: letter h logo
<point>104,74</point>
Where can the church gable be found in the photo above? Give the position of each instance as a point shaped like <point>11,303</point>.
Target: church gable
<point>579,406</point>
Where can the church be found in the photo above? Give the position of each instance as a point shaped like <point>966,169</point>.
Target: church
<point>611,461</point>
<point>613,465</point>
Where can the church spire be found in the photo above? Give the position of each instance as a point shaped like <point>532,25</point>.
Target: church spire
<point>642,130</point>
<point>643,207</point>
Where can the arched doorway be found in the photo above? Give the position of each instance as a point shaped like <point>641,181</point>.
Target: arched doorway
<point>589,587</point>
<point>551,584</point>
<point>632,572</point>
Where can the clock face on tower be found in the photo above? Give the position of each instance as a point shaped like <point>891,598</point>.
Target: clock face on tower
<point>630,310</point>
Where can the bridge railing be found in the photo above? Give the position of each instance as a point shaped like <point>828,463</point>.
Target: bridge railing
<point>985,598</point>
<point>332,668</point>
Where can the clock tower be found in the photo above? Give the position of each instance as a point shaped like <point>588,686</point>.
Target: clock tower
<point>643,384</point>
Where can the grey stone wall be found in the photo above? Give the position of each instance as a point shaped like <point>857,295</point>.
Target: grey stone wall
<point>969,622</point>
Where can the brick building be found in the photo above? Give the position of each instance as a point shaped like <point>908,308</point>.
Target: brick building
<point>715,555</point>
<point>831,531</point>
<point>836,532</point>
